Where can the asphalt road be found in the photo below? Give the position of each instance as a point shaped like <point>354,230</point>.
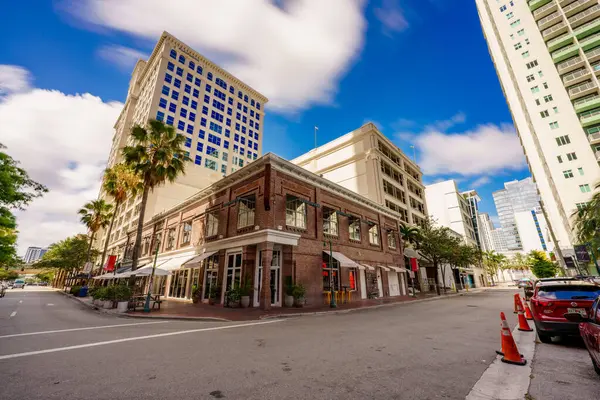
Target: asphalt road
<point>429,350</point>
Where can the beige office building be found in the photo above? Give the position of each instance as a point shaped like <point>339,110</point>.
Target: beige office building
<point>220,116</point>
<point>368,163</point>
<point>547,56</point>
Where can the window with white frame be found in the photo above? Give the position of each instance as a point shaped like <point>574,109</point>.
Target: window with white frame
<point>246,211</point>
<point>170,238</point>
<point>295,212</point>
<point>212,224</point>
<point>186,237</point>
<point>354,228</point>
<point>330,222</point>
<point>391,236</point>
<point>374,234</point>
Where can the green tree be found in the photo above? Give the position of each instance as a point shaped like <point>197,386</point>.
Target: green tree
<point>8,275</point>
<point>436,244</point>
<point>156,156</point>
<point>45,276</point>
<point>463,255</point>
<point>408,234</point>
<point>492,262</point>
<point>540,265</point>
<point>8,239</point>
<point>95,215</point>
<point>120,182</point>
<point>67,254</point>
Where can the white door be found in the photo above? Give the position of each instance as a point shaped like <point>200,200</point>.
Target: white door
<point>379,282</point>
<point>363,284</point>
<point>393,282</point>
<point>403,283</point>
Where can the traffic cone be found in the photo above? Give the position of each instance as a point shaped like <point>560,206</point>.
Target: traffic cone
<point>528,315</point>
<point>516,301</point>
<point>523,325</point>
<point>510,352</point>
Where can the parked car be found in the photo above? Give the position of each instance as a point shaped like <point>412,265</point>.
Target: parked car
<point>19,284</point>
<point>553,299</point>
<point>589,327</point>
<point>524,282</point>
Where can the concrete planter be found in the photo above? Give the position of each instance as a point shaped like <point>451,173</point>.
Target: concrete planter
<point>107,304</point>
<point>289,301</point>
<point>122,306</point>
<point>98,302</point>
<point>245,301</point>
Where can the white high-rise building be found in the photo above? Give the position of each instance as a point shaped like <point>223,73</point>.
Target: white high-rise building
<point>533,231</point>
<point>450,209</point>
<point>220,116</point>
<point>486,227</point>
<point>33,254</point>
<point>547,56</point>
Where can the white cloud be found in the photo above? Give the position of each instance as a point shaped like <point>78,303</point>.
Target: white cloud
<point>487,149</point>
<point>295,52</point>
<point>13,79</point>
<point>63,142</point>
<point>123,57</point>
<point>446,124</point>
<point>481,181</point>
<point>391,17</point>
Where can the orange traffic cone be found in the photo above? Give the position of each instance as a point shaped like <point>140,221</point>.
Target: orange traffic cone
<point>510,352</point>
<point>516,301</point>
<point>523,325</point>
<point>528,315</point>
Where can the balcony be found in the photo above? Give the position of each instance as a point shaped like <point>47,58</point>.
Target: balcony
<point>555,31</point>
<point>594,138</point>
<point>577,6</point>
<point>582,90</point>
<point>593,55</point>
<point>584,16</point>
<point>545,10</point>
<point>590,42</point>
<point>535,4</point>
<point>587,29</point>
<point>560,41</point>
<point>570,65</point>
<point>586,104</point>
<point>597,153</point>
<point>565,52</point>
<point>549,20</point>
<point>591,118</point>
<point>576,77</point>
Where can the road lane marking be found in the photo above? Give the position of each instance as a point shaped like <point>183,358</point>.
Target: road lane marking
<point>82,346</point>
<point>20,301</point>
<point>80,329</point>
<point>49,304</point>
<point>13,314</point>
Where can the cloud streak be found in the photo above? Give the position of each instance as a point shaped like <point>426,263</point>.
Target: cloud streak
<point>124,57</point>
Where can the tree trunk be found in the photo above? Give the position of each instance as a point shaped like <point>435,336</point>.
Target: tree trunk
<point>89,251</point>
<point>437,277</point>
<point>112,221</point>
<point>443,269</point>
<point>138,234</point>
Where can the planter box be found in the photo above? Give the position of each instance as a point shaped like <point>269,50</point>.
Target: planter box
<point>289,301</point>
<point>122,306</point>
<point>107,304</point>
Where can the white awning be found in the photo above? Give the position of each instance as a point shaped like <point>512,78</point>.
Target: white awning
<point>147,271</point>
<point>197,260</point>
<point>383,267</point>
<point>397,269</point>
<point>344,261</point>
<point>173,263</point>
<point>410,253</point>
<point>368,267</point>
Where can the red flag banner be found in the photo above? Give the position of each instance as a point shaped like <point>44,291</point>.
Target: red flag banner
<point>414,265</point>
<point>110,263</point>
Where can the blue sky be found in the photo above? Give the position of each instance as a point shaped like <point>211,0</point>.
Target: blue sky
<point>419,69</point>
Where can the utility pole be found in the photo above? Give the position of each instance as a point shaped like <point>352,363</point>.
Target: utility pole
<point>147,304</point>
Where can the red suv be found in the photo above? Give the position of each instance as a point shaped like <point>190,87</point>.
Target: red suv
<point>590,332</point>
<point>551,300</point>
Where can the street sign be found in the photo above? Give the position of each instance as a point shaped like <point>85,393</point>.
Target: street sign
<point>581,251</point>
<point>87,267</point>
<point>569,262</point>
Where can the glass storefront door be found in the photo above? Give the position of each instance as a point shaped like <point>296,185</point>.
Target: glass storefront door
<point>178,283</point>
<point>275,279</point>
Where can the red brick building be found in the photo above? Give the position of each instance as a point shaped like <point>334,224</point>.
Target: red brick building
<point>275,213</point>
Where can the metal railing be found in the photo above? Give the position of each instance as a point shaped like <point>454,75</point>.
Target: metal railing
<point>573,5</point>
<point>586,100</point>
<point>574,75</point>
<point>548,18</point>
<point>584,26</point>
<point>563,49</point>
<point>581,88</point>
<point>593,53</point>
<point>583,14</point>
<point>593,137</point>
<point>554,28</point>
<point>591,37</point>
<point>544,8</point>
<point>588,114</point>
<point>569,63</point>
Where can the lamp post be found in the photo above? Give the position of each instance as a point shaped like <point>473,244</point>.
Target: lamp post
<point>147,304</point>
<point>332,303</point>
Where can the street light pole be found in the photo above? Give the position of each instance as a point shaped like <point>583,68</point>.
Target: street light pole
<point>332,303</point>
<point>147,304</point>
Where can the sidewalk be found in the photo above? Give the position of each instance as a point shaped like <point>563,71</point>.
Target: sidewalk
<point>171,309</point>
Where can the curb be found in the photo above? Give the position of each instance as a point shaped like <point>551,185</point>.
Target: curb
<point>402,303</point>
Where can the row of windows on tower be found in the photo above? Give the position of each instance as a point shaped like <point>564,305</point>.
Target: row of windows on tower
<point>218,81</point>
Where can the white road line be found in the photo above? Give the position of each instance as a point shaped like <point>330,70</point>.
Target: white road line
<point>81,346</point>
<point>49,304</point>
<point>13,314</point>
<point>20,301</point>
<point>80,329</point>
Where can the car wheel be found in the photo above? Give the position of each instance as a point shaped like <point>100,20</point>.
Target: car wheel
<point>544,337</point>
<point>596,366</point>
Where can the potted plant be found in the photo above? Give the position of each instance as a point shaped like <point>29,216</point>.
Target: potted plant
<point>75,290</point>
<point>213,293</point>
<point>245,291</point>
<point>109,296</point>
<point>299,291</point>
<point>196,293</point>
<point>232,298</point>
<point>122,295</point>
<point>96,293</point>
<point>289,292</point>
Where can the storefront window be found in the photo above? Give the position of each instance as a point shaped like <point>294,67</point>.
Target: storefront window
<point>352,278</point>
<point>330,273</point>
<point>234,271</point>
<point>330,222</point>
<point>211,267</point>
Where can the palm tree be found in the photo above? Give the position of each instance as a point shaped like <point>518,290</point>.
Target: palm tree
<point>587,222</point>
<point>409,234</point>
<point>95,215</point>
<point>120,182</point>
<point>156,156</point>
<point>492,262</point>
